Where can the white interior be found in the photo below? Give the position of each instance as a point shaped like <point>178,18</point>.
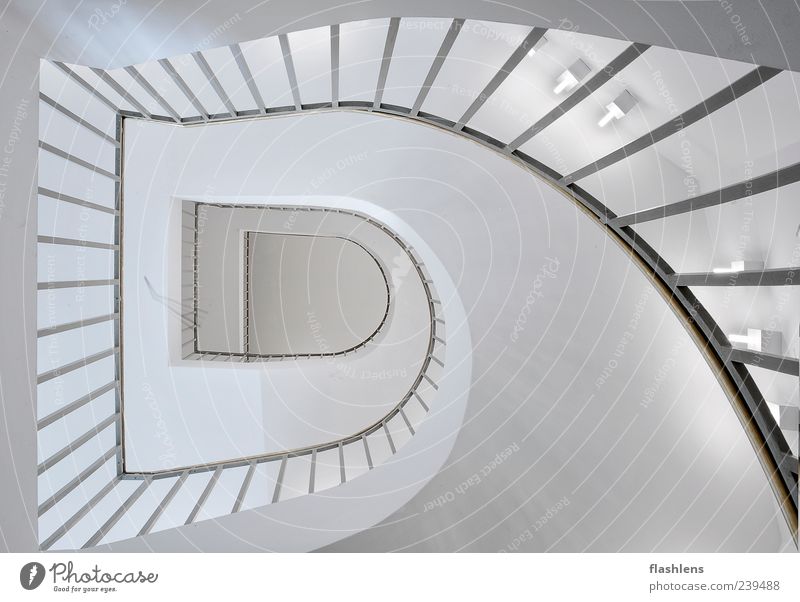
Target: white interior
<point>312,294</point>
<point>269,406</point>
<point>315,295</point>
<point>630,446</point>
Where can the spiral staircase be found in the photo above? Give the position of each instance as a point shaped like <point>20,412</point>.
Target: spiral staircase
<point>491,84</point>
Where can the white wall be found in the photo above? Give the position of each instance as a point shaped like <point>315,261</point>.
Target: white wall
<point>150,29</point>
<point>632,428</point>
<point>38,29</point>
<point>311,292</point>
<point>337,281</point>
<point>18,137</point>
<point>173,414</point>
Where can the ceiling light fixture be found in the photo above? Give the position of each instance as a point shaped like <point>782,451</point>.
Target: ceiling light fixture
<point>618,108</point>
<point>740,266</point>
<point>770,341</point>
<point>572,76</point>
<point>542,41</point>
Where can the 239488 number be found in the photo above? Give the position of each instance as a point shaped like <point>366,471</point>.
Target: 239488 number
<point>758,585</point>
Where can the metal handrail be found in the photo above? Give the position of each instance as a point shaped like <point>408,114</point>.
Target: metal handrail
<point>246,355</point>
<point>435,313</point>
<point>767,439</point>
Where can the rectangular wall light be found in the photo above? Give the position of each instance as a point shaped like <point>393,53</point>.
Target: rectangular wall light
<point>740,266</point>
<point>618,108</point>
<point>542,41</point>
<point>572,76</point>
<point>768,341</point>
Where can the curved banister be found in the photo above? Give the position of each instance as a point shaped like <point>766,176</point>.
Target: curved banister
<point>747,401</point>
<point>759,425</point>
<point>436,324</point>
<point>246,355</point>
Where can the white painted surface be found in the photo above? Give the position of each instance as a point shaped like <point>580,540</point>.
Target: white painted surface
<point>220,278</point>
<point>629,446</point>
<point>268,406</point>
<point>313,295</point>
<point>63,33</point>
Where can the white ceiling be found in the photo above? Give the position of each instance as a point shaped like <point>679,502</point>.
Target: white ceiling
<point>581,426</point>
<point>765,151</point>
<point>749,137</point>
